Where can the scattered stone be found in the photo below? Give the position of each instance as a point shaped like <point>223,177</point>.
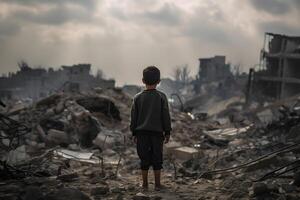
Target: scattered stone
<point>217,139</point>
<point>140,196</point>
<point>18,155</point>
<point>118,190</point>
<point>169,147</point>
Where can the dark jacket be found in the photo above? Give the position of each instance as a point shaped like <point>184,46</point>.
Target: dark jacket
<point>150,112</point>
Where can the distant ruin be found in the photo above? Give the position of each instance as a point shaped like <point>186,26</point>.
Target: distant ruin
<point>35,83</point>
<point>213,69</point>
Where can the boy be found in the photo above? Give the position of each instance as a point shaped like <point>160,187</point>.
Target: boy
<point>150,125</point>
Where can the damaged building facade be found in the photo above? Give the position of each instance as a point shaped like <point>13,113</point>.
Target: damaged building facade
<point>213,70</point>
<point>35,83</point>
<point>279,74</point>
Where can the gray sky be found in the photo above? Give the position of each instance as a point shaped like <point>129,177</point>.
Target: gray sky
<point>122,37</point>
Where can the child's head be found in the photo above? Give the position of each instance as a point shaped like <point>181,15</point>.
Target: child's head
<point>151,75</point>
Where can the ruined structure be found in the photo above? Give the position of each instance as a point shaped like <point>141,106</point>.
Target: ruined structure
<point>35,83</point>
<point>213,69</point>
<point>279,73</point>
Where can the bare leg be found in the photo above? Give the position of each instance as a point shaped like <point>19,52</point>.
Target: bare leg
<point>157,178</point>
<point>145,178</point>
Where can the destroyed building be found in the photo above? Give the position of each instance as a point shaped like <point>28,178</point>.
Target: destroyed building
<point>213,69</point>
<point>278,75</point>
<point>35,83</point>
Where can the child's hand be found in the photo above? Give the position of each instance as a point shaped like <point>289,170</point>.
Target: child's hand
<point>134,139</point>
<point>167,138</point>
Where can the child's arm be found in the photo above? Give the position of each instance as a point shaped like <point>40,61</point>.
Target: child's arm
<point>166,117</point>
<point>133,117</point>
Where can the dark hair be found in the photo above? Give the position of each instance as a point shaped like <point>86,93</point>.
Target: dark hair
<point>151,75</point>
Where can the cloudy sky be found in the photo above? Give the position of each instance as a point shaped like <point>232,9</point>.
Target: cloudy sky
<point>122,37</point>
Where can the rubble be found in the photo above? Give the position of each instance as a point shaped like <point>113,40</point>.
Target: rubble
<point>78,146</point>
<point>185,153</point>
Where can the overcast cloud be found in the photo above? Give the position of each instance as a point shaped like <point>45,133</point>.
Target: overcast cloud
<point>122,37</point>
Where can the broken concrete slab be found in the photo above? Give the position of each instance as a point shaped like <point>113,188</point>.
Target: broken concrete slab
<point>108,138</point>
<point>216,139</point>
<point>17,156</point>
<point>140,196</point>
<point>56,137</point>
<point>17,108</point>
<point>169,147</point>
<point>77,155</point>
<point>185,153</point>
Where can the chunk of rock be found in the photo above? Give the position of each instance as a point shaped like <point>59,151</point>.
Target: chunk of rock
<point>169,147</point>
<point>87,128</point>
<point>17,156</point>
<point>56,137</point>
<point>140,196</point>
<point>216,139</point>
<point>185,153</point>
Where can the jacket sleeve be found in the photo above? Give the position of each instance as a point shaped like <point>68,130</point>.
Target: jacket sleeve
<point>134,117</point>
<point>166,116</point>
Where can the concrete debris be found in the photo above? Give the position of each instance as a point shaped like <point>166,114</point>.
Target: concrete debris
<point>141,196</point>
<point>185,153</point>
<point>17,156</point>
<point>79,156</point>
<point>170,147</point>
<point>56,137</point>
<point>77,145</point>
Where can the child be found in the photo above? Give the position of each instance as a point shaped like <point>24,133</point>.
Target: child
<point>150,125</point>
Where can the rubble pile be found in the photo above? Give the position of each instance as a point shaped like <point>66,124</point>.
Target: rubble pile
<point>251,162</point>
<point>78,146</point>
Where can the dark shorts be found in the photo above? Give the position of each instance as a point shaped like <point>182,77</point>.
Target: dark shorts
<point>150,150</point>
